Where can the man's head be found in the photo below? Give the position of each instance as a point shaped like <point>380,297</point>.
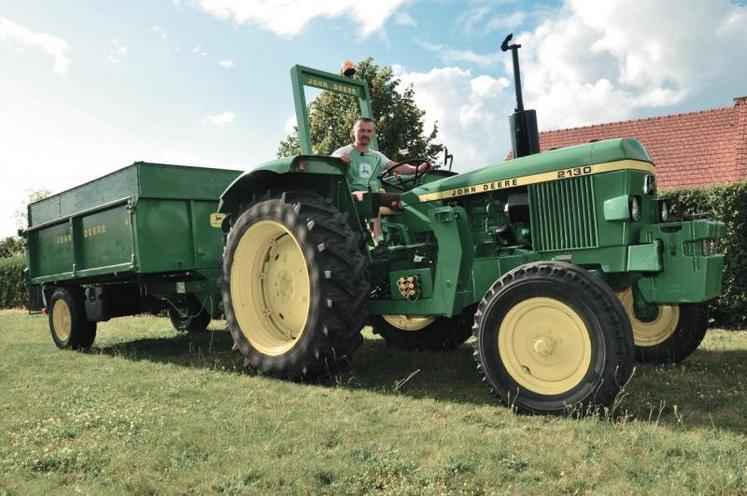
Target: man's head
<point>363,130</point>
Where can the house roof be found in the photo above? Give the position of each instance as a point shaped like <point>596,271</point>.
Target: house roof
<point>694,149</point>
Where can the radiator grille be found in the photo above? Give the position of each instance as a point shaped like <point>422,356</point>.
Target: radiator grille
<point>563,215</point>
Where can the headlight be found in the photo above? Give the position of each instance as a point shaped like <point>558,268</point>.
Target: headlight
<point>635,208</point>
<point>664,210</point>
<point>649,184</point>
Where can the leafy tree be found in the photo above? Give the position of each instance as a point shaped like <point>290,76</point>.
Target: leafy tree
<point>12,246</point>
<point>21,214</point>
<point>399,122</point>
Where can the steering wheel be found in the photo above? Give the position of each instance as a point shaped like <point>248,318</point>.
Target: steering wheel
<point>412,181</point>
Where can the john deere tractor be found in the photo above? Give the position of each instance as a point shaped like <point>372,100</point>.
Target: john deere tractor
<point>563,265</point>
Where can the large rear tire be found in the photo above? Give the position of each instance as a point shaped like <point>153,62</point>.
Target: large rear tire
<point>673,335</point>
<point>68,324</point>
<point>410,332</point>
<point>552,337</point>
<point>295,286</point>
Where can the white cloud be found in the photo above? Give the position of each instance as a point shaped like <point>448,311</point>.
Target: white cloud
<point>586,63</point>
<point>118,52</point>
<point>592,62</point>
<point>226,63</point>
<point>470,20</point>
<point>484,20</point>
<point>289,17</point>
<point>453,56</point>
<point>221,119</point>
<point>198,50</point>
<point>467,109</point>
<point>505,23</point>
<point>405,19</point>
<point>55,46</point>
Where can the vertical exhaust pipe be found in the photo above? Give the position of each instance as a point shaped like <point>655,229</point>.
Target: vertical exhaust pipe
<point>524,131</point>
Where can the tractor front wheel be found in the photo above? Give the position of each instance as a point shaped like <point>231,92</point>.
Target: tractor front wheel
<point>672,334</point>
<point>552,337</point>
<point>295,285</point>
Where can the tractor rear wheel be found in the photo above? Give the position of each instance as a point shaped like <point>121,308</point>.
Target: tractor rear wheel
<point>672,335</point>
<point>295,285</point>
<point>551,337</point>
<point>412,332</point>
<point>189,316</point>
<point>67,319</point>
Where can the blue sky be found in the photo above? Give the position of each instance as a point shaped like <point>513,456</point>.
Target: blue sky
<point>87,87</point>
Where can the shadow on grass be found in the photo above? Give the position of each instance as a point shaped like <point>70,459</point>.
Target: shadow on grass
<point>706,390</point>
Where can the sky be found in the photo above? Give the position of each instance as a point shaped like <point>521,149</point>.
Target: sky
<point>90,86</point>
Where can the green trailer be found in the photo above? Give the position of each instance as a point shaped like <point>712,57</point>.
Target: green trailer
<point>144,238</point>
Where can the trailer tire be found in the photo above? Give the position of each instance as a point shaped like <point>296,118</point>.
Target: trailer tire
<point>422,333</point>
<point>68,324</point>
<point>295,286</point>
<point>672,336</point>
<point>192,318</point>
<point>552,338</point>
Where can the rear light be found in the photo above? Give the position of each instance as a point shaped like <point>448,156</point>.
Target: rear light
<point>635,208</point>
<point>664,210</point>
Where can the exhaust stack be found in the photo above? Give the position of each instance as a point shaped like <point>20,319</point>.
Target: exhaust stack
<point>524,132</point>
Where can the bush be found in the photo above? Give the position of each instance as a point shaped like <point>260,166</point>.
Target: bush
<point>13,292</point>
<point>729,205</point>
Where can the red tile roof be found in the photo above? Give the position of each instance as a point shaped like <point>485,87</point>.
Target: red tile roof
<point>689,150</point>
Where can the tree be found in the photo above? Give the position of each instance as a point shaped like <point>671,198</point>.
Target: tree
<point>12,246</point>
<point>21,214</point>
<point>399,121</point>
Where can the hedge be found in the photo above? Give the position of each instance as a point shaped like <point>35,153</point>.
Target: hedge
<point>727,204</point>
<point>13,293</point>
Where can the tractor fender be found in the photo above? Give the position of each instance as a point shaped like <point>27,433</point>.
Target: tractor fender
<point>272,174</point>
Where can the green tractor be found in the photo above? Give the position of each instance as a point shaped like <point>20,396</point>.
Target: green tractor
<point>563,265</point>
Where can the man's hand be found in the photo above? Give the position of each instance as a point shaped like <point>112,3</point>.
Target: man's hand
<point>345,157</point>
<point>424,167</point>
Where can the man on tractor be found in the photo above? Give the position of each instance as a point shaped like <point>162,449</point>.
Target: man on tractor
<point>365,166</point>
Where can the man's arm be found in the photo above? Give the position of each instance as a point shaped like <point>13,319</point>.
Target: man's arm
<point>408,168</point>
<point>343,154</point>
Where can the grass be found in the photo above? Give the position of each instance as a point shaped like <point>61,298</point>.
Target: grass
<point>148,411</point>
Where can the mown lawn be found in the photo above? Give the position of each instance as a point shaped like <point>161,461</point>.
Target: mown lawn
<point>148,411</point>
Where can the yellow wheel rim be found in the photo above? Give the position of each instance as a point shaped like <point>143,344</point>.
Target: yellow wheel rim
<point>545,346</point>
<point>408,322</point>
<point>657,331</point>
<point>270,287</point>
<point>62,320</point>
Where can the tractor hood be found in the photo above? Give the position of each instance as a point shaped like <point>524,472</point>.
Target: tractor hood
<point>590,158</point>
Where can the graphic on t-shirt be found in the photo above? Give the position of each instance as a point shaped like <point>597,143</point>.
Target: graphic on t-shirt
<point>365,171</point>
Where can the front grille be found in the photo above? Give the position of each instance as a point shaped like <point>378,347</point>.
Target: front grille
<point>562,214</point>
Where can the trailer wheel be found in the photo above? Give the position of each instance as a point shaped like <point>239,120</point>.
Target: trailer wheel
<point>295,286</point>
<point>191,317</point>
<point>412,332</point>
<point>551,337</point>
<point>672,335</point>
<point>68,324</point>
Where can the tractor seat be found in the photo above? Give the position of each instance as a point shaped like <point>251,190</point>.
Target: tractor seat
<point>379,203</point>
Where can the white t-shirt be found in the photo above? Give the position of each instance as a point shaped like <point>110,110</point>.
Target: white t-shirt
<point>364,168</point>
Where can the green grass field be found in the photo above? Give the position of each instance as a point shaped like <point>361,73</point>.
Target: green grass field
<point>148,411</point>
